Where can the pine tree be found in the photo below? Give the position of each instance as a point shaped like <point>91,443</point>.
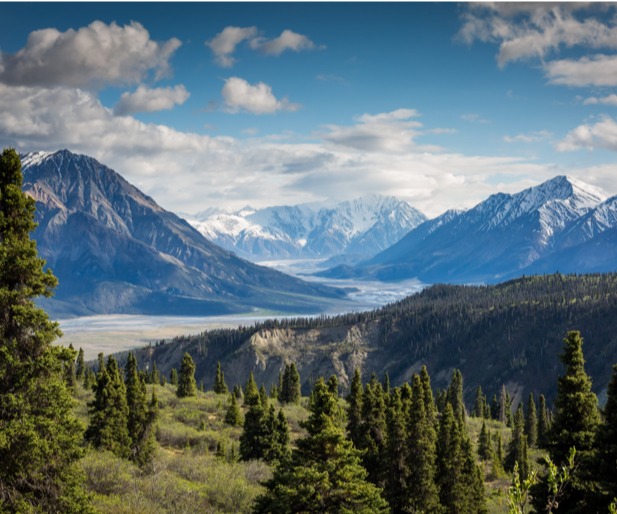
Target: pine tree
<point>255,432</point>
<point>80,368</point>
<point>504,405</point>
<point>220,387</point>
<point>543,424</point>
<point>607,444</point>
<point>429,402</point>
<point>173,377</point>
<point>233,416</point>
<point>485,447</point>
<point>455,395</point>
<point>333,385</point>
<point>575,424</point>
<point>39,433</point>
<point>251,393</point>
<point>354,409</point>
<point>186,378</point>
<point>154,376</point>
<point>374,433</point>
<point>290,390</point>
<point>108,428</point>
<point>324,474</point>
<point>396,458</point>
<point>70,375</point>
<point>478,406</point>
<point>423,494</point>
<point>531,422</point>
<point>517,454</point>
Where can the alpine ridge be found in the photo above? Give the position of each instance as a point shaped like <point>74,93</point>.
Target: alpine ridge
<point>358,228</point>
<point>115,250</point>
<point>541,229</point>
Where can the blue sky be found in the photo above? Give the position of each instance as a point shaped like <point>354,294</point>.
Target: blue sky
<point>225,104</point>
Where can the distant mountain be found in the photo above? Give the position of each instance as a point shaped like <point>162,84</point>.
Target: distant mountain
<point>115,250</point>
<point>359,229</point>
<point>503,237</point>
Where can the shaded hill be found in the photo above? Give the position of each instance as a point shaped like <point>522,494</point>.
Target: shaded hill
<point>505,334</point>
<point>115,250</point>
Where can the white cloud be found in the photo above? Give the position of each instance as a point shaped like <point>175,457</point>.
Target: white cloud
<point>190,172</point>
<point>91,56</point>
<point>145,99</point>
<point>533,137</point>
<point>288,40</point>
<point>533,30</point>
<point>473,117</point>
<point>598,70</point>
<point>239,95</point>
<point>224,44</point>
<point>606,100</point>
<point>602,134</point>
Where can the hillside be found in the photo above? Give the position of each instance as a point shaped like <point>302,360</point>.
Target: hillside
<point>505,334</point>
<point>115,250</point>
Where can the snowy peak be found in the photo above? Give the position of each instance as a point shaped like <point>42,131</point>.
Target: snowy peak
<point>363,226</point>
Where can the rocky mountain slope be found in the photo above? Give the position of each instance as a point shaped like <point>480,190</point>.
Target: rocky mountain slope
<point>359,229</point>
<point>508,334</point>
<point>115,250</point>
<point>503,237</point>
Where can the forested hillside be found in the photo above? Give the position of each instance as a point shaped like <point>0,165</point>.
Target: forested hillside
<point>505,334</point>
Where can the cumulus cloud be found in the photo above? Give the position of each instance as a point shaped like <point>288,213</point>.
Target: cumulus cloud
<point>91,56</point>
<point>288,40</point>
<point>533,137</point>
<point>239,95</point>
<point>189,172</point>
<point>590,136</point>
<point>598,70</point>
<point>145,99</point>
<point>606,100</point>
<point>224,44</point>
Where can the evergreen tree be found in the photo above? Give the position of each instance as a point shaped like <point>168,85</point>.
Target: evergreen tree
<point>374,433</point>
<point>154,376</point>
<point>255,432</point>
<point>495,408</point>
<point>290,390</point>
<point>455,395</point>
<point>220,387</point>
<point>233,416</point>
<point>173,377</point>
<point>429,402</point>
<point>80,368</point>
<point>186,378</point>
<point>354,409</point>
<point>396,458</point>
<point>386,384</point>
<point>423,494</point>
<point>531,422</point>
<point>263,396</point>
<point>70,375</point>
<point>251,393</point>
<point>480,401</point>
<point>324,474</point>
<point>543,423</point>
<point>607,444</point>
<point>39,433</point>
<point>504,405</point>
<point>276,444</point>
<point>108,428</point>
<point>517,454</point>
<point>238,392</point>
<point>101,362</point>
<point>333,385</point>
<point>574,426</point>
<point>485,447</point>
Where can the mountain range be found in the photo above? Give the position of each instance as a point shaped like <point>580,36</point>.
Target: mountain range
<point>115,250</point>
<point>560,225</point>
<point>356,229</point>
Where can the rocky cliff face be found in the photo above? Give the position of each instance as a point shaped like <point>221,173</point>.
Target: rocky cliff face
<point>115,250</point>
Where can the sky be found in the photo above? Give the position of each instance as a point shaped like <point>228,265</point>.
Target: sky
<point>228,104</point>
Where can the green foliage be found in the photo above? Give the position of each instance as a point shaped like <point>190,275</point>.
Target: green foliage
<point>39,433</point>
<point>186,379</point>
<point>324,474</point>
<point>173,377</point>
<point>543,423</point>
<point>455,395</point>
<point>354,409</point>
<point>80,368</point>
<point>233,416</point>
<point>519,492</point>
<point>251,393</point>
<point>517,455</point>
<point>607,443</point>
<point>220,387</point>
<point>485,447</point>
<point>373,432</point>
<point>290,385</point>
<point>531,422</point>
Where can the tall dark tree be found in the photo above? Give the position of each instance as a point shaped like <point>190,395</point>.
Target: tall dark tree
<point>173,376</point>
<point>324,474</point>
<point>39,433</point>
<point>220,387</point>
<point>374,433</point>
<point>429,401</point>
<point>108,428</point>
<point>396,461</point>
<point>290,390</point>
<point>251,392</point>
<point>186,379</point>
<point>479,402</point>
<point>485,446</point>
<point>80,367</point>
<point>455,394</point>
<point>607,445</point>
<point>354,409</point>
<point>517,453</point>
<point>531,422</point>
<point>543,422</point>
<point>233,416</point>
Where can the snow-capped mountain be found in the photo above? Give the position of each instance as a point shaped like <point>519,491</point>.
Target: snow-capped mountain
<point>361,227</point>
<point>500,237</point>
<point>115,250</point>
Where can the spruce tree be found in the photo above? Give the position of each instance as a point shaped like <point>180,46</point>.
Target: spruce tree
<point>517,454</point>
<point>333,385</point>
<point>233,416</point>
<point>255,432</point>
<point>39,433</point>
<point>186,379</point>
<point>607,445</point>
<point>396,460</point>
<point>324,474</point>
<point>455,394</point>
<point>220,387</point>
<point>374,433</point>
<point>429,402</point>
<point>531,422</point>
<point>251,393</point>
<point>485,447</point>
<point>354,409</point>
<point>173,377</point>
<point>543,423</point>
<point>478,406</point>
<point>80,368</point>
<point>290,391</point>
<point>108,428</point>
